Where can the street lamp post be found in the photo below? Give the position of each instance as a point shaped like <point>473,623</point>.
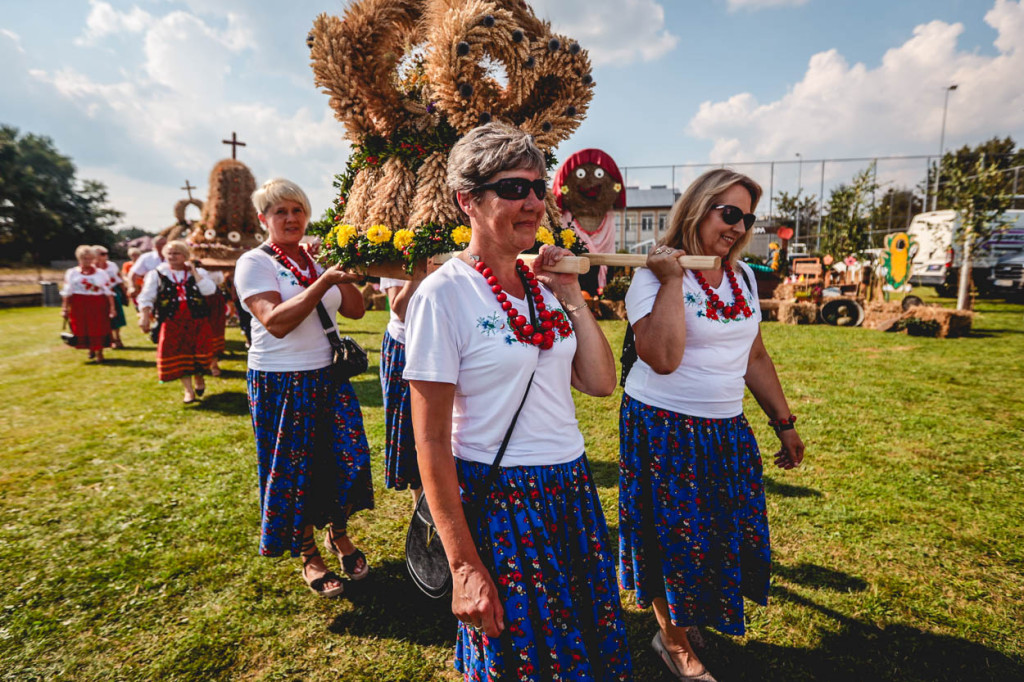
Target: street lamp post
<point>799,187</point>
<point>942,145</point>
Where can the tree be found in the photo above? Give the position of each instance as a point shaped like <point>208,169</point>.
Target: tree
<point>846,227</point>
<point>796,211</point>
<point>896,208</point>
<point>44,211</point>
<point>979,197</point>
<point>1000,154</point>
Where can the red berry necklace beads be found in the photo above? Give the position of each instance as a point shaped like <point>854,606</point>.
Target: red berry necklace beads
<point>716,307</point>
<point>304,279</point>
<point>548,322</point>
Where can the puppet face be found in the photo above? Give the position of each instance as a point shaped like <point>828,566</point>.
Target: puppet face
<point>591,191</point>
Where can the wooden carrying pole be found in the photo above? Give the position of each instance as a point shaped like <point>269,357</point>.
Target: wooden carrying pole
<point>577,265</point>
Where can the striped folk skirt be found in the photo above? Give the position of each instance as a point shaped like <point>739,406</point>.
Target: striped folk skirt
<point>693,528</point>
<point>401,469</point>
<point>183,348</point>
<point>89,317</point>
<point>312,456</point>
<point>543,538</point>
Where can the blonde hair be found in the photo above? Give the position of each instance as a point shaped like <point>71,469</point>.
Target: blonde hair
<point>85,250</point>
<point>275,191</point>
<point>134,252</point>
<point>179,245</point>
<point>488,150</point>
<point>691,208</point>
<point>100,250</point>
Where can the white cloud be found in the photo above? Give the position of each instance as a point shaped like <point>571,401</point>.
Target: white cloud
<point>613,31</point>
<point>838,109</point>
<point>104,20</point>
<point>761,4</point>
<point>14,37</point>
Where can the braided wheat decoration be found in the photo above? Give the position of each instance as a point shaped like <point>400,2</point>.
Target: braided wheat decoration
<point>407,78</point>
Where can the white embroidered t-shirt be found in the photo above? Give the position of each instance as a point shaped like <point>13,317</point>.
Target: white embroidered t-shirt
<point>303,348</point>
<point>396,328</point>
<point>709,381</point>
<point>96,284</point>
<point>457,333</point>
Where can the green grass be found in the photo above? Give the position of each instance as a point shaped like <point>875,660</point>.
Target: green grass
<point>128,523</point>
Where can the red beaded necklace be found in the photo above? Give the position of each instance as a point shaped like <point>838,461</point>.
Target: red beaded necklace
<point>550,321</point>
<point>716,307</point>
<point>304,279</point>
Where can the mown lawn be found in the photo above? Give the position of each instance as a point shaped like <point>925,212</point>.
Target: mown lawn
<point>128,523</point>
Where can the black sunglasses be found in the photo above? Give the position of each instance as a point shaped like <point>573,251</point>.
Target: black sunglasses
<point>515,188</point>
<point>733,214</point>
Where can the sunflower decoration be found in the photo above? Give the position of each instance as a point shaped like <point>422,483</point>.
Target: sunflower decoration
<point>408,78</point>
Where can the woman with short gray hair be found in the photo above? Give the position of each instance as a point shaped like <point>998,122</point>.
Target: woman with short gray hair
<point>534,581</point>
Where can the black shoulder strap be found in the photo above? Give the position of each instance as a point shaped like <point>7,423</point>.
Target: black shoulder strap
<point>330,331</point>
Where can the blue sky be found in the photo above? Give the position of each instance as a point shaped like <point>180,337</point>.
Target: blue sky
<point>140,92</point>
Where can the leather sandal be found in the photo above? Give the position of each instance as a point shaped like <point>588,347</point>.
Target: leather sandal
<point>317,584</point>
<point>659,647</point>
<point>349,562</point>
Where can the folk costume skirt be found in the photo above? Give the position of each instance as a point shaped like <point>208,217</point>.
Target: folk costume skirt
<point>183,348</point>
<point>542,536</point>
<point>692,521</point>
<point>118,320</point>
<point>401,469</point>
<point>218,321</point>
<point>313,460</point>
<point>89,317</point>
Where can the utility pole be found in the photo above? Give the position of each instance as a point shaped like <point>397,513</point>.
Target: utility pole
<point>942,145</point>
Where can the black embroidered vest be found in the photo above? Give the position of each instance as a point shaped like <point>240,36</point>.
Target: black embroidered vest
<point>167,299</point>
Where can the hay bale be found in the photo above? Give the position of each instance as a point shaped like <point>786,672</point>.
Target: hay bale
<point>882,315</point>
<point>793,312</point>
<point>378,302</point>
<point>769,309</point>
<point>951,323</point>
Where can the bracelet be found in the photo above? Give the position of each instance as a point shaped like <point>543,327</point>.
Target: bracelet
<point>784,424</point>
<point>570,309</point>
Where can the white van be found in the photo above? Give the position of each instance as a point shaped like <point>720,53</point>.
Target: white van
<point>937,263</point>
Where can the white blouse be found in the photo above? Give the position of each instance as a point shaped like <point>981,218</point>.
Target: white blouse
<point>151,284</point>
<point>96,284</point>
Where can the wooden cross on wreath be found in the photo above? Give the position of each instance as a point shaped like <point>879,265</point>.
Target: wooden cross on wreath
<point>188,188</point>
<point>235,144</point>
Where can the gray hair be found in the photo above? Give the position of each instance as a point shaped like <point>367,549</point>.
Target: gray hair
<point>277,190</point>
<point>85,249</point>
<point>179,246</point>
<point>488,150</point>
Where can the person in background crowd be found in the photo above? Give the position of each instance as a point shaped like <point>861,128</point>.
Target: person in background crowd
<point>143,265</point>
<point>693,529</point>
<point>88,303</point>
<point>400,468</point>
<point>533,570</point>
<point>218,320</point>
<point>312,456</point>
<point>120,297</point>
<point>126,280</point>
<point>176,291</point>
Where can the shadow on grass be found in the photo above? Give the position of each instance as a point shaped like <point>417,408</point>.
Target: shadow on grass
<point>773,487</point>
<point>859,651</point>
<point>231,402</point>
<point>387,605</point>
<point>812,575</point>
<point>230,374</point>
<point>606,474</point>
<point>367,388</point>
<point>127,362</point>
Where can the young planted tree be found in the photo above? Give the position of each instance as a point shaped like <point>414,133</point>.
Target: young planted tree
<point>846,228</point>
<point>979,197</point>
<point>798,212</point>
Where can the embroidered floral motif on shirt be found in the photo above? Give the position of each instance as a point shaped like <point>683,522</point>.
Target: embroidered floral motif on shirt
<point>705,309</point>
<point>490,325</point>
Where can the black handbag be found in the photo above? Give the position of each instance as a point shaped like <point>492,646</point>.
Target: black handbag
<point>67,337</point>
<point>424,554</point>
<point>349,357</point>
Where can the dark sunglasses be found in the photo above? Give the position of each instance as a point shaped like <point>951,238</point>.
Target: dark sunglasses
<point>516,188</point>
<point>733,214</point>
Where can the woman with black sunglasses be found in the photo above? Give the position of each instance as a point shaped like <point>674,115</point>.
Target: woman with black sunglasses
<point>693,530</point>
<point>534,582</point>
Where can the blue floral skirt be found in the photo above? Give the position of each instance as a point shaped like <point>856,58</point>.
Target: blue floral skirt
<point>401,470</point>
<point>312,455</point>
<point>544,540</point>
<point>692,521</point>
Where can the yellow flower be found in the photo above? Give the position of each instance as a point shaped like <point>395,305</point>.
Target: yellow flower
<point>564,189</point>
<point>544,235</point>
<point>617,187</point>
<point>462,235</point>
<point>568,238</point>
<point>378,234</point>
<point>402,239</point>
<point>343,234</point>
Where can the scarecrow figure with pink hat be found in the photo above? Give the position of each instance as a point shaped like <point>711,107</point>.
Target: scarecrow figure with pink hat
<point>588,188</point>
